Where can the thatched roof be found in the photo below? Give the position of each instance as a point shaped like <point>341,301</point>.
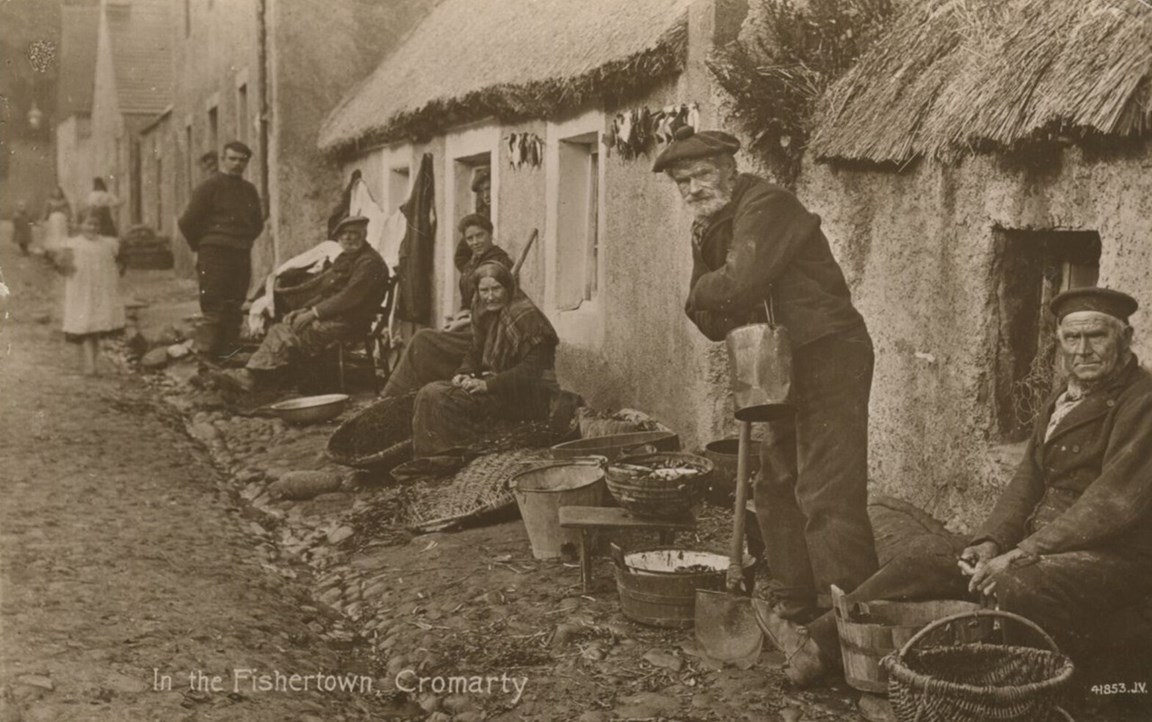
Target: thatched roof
<point>956,75</point>
<point>513,59</point>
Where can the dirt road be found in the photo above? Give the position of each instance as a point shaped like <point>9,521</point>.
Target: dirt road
<point>124,566</point>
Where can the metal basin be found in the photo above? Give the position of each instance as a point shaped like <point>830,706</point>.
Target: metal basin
<point>310,409</point>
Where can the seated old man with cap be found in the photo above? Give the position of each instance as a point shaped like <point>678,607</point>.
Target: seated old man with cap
<point>1069,543</point>
<point>353,289</point>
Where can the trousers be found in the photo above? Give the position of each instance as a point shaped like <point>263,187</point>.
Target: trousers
<point>1065,594</point>
<point>282,343</point>
<point>811,495</point>
<point>224,274</point>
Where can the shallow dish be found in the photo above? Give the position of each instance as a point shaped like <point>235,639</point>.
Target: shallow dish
<point>310,409</point>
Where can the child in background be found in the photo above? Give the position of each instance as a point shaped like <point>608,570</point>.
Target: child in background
<point>93,308</point>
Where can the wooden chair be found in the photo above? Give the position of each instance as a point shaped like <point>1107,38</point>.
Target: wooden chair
<point>372,341</point>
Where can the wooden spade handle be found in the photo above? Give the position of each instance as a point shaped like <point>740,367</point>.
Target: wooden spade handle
<point>735,577</point>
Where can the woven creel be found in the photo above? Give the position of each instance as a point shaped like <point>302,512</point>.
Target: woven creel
<point>378,438</point>
<point>645,494</point>
<point>979,681</point>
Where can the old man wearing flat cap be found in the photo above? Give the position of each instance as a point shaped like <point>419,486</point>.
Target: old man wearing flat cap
<point>353,289</point>
<point>1069,543</point>
<point>753,243</point>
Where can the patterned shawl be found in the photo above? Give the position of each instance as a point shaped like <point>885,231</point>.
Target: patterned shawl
<point>506,336</point>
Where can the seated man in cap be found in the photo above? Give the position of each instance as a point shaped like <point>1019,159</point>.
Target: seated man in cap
<point>1069,543</point>
<point>354,288</point>
<point>754,245</point>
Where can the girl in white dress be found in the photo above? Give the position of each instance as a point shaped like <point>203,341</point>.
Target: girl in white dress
<point>93,308</point>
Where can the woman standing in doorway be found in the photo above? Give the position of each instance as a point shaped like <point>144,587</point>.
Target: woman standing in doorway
<point>102,202</point>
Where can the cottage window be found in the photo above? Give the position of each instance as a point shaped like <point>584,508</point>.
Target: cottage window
<point>159,192</point>
<point>578,221</point>
<point>242,113</point>
<point>136,181</point>
<point>213,129</point>
<point>189,179</point>
<point>1031,268</point>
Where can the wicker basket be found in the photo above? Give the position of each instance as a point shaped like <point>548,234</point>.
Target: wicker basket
<point>647,495</point>
<point>377,439</point>
<point>979,681</point>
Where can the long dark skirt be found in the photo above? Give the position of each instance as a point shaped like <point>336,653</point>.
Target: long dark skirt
<point>448,419</point>
<point>431,355</point>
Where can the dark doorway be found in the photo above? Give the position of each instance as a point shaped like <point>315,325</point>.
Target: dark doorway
<point>1031,267</point>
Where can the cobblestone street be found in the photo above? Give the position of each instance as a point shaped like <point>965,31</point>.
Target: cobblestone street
<point>124,559</point>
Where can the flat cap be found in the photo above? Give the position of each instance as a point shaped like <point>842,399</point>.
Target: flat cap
<point>1101,300</point>
<point>349,221</point>
<point>689,145</point>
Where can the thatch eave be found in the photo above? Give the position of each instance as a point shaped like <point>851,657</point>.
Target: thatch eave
<point>971,76</point>
<point>636,53</point>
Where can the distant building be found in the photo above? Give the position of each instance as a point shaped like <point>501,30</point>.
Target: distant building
<point>133,83</point>
<point>263,72</point>
<point>79,31</point>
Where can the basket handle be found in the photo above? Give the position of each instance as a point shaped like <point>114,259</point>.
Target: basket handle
<point>972,615</point>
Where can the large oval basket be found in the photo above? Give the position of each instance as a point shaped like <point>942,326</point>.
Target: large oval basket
<point>976,682</point>
<point>641,485</point>
<point>378,438</point>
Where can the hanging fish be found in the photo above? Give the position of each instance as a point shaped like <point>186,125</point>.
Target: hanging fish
<point>694,116</point>
<point>643,128</point>
<point>512,150</point>
<point>534,152</point>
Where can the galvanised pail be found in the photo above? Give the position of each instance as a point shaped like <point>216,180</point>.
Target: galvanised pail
<point>760,368</point>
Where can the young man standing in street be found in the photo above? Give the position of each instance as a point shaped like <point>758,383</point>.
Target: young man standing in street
<point>220,224</point>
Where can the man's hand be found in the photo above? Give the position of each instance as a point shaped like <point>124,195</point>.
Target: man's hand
<point>977,553</point>
<point>300,319</point>
<point>984,576</point>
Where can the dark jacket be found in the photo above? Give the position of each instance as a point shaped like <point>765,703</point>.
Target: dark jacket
<point>354,288</point>
<point>414,291</point>
<point>1089,485</point>
<point>224,211</point>
<point>765,239</point>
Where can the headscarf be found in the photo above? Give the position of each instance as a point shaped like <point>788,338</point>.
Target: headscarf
<point>503,338</point>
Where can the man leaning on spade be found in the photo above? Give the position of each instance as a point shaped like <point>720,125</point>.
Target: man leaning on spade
<point>754,243</point>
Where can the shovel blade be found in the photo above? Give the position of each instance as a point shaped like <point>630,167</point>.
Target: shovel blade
<point>726,628</point>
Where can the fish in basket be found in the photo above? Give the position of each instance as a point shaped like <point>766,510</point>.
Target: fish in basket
<point>661,485</point>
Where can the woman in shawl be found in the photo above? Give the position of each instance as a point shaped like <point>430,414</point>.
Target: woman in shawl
<point>508,372</point>
<point>433,355</point>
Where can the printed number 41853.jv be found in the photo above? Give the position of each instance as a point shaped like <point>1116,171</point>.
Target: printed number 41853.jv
<point>1121,688</point>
